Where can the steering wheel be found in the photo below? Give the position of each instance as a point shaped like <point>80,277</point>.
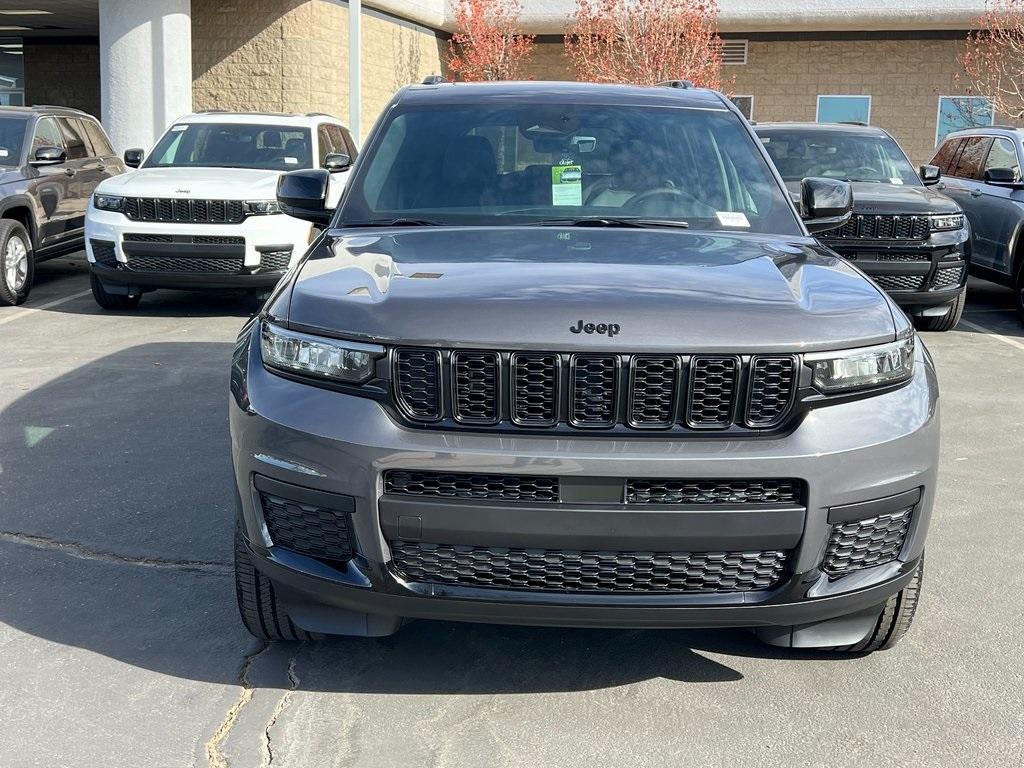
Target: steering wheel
<point>870,171</point>
<point>643,197</point>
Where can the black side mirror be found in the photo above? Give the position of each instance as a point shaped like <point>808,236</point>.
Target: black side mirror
<point>930,174</point>
<point>133,157</point>
<point>1001,176</point>
<point>825,203</point>
<point>303,194</point>
<point>337,161</point>
<point>49,156</point>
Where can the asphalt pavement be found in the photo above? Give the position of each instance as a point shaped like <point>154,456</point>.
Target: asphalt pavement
<point>120,644</point>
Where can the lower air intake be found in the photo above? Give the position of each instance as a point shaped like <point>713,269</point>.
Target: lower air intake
<point>306,529</point>
<point>865,543</point>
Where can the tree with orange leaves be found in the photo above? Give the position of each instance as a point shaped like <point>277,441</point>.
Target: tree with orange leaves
<point>994,56</point>
<point>645,41</point>
<point>488,44</point>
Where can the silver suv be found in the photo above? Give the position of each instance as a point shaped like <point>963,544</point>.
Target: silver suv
<point>566,354</point>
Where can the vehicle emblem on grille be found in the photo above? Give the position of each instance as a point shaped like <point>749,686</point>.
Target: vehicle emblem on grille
<point>182,191</point>
<point>607,329</point>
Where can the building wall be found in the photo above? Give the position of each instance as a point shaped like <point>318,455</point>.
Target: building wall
<point>63,74</point>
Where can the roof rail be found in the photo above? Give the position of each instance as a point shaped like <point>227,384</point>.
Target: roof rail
<point>433,80</point>
<point>853,122</point>
<point>676,84</point>
<point>317,114</point>
<point>210,111</point>
<point>58,106</point>
<point>1000,127</point>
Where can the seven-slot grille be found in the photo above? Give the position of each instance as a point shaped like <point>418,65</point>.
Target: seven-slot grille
<point>593,391</point>
<point>882,227</point>
<point>184,210</point>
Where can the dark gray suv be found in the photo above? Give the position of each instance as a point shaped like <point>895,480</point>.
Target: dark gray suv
<point>566,354</point>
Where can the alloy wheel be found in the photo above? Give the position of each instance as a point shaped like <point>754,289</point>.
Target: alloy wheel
<point>15,264</point>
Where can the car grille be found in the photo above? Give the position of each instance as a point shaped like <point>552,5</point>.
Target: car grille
<point>948,277</point>
<point>464,485</point>
<point>881,227</point>
<point>905,257</point>
<point>549,570</point>
<point>185,264</point>
<point>594,391</point>
<point>307,529</point>
<point>104,253</point>
<point>275,261</point>
<point>899,282</point>
<point>184,211</point>
<point>138,237</point>
<point>730,492</point>
<point>865,543</point>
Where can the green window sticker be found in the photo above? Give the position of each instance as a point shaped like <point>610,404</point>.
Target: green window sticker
<point>566,185</point>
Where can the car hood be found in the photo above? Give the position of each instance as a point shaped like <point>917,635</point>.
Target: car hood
<point>525,287</point>
<point>209,183</point>
<point>871,198</point>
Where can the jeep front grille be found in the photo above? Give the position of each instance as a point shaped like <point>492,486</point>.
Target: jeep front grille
<point>882,227</point>
<point>184,210</point>
<point>728,492</point>
<point>307,529</point>
<point>865,543</point>
<point>467,485</point>
<point>228,265</point>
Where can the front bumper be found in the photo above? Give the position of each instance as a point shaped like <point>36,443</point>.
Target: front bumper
<point>334,444</point>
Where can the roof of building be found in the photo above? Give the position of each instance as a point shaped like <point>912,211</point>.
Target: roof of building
<point>563,92</point>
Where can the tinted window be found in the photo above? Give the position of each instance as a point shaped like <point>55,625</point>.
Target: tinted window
<point>342,141</point>
<point>47,134</point>
<point>227,145</point>
<point>1003,155</point>
<point>972,157</point>
<point>326,143</point>
<point>834,154</point>
<point>12,137</point>
<point>73,139</point>
<point>520,163</point>
<point>946,155</point>
<point>97,138</point>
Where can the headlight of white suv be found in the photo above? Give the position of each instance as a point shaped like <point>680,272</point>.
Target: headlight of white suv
<point>347,362</point>
<point>863,368</point>
<point>946,222</point>
<point>261,207</point>
<point>108,202</point>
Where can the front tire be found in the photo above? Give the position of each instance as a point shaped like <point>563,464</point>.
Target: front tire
<point>894,621</point>
<point>118,302</point>
<point>948,321</point>
<point>17,266</point>
<point>1019,292</point>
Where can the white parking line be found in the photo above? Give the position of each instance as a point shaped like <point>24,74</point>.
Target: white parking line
<point>26,311</point>
<point>992,334</point>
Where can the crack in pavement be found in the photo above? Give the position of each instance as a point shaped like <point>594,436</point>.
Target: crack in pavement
<point>293,681</point>
<point>214,756</point>
<point>83,552</point>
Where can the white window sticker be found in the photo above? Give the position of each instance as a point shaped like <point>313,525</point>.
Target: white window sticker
<point>291,160</point>
<point>896,180</point>
<point>732,219</point>
<point>176,128</point>
<point>566,185</point>
<point>4,152</point>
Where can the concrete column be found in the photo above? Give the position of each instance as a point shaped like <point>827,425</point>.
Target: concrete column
<point>145,68</point>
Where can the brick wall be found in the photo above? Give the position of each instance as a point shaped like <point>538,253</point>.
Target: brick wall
<point>63,74</point>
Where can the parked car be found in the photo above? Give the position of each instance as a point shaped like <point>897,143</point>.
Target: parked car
<point>200,210</point>
<point>908,237</point>
<point>982,172</point>
<point>51,160</point>
<point>645,396</point>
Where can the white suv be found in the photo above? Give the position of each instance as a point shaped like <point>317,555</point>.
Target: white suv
<point>201,211</point>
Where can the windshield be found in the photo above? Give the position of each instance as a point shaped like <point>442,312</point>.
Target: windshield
<point>12,136</point>
<point>548,163</point>
<point>229,145</point>
<point>832,154</point>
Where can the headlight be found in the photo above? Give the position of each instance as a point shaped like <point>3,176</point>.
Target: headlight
<point>108,202</point>
<point>261,207</point>
<point>344,361</point>
<point>863,368</point>
<point>944,222</point>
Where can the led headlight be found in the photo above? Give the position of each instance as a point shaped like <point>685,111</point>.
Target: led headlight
<point>108,202</point>
<point>947,221</point>
<point>261,207</point>
<point>344,361</point>
<point>863,368</point>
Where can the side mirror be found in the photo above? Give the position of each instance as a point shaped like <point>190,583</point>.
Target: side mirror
<point>303,194</point>
<point>1001,176</point>
<point>49,156</point>
<point>825,203</point>
<point>930,174</point>
<point>337,161</point>
<point>133,157</point>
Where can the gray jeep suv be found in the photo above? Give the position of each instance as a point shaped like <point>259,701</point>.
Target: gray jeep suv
<point>567,355</point>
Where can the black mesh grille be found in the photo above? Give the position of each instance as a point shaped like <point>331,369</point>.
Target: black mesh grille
<point>772,386</point>
<point>882,228</point>
<point>418,383</point>
<point>104,253</point>
<point>899,282</point>
<point>864,543</point>
<point>135,237</point>
<point>949,277</point>
<point>921,256</point>
<point>652,391</point>
<point>142,237</point>
<point>593,390</point>
<point>230,265</point>
<point>475,376</point>
<point>459,485</point>
<point>712,391</point>
<point>662,491</point>
<point>182,211</point>
<point>534,389</point>
<point>581,571</point>
<point>275,261</point>
<point>307,529</point>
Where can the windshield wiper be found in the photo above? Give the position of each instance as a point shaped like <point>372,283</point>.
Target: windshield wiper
<point>402,222</point>
<point>601,221</point>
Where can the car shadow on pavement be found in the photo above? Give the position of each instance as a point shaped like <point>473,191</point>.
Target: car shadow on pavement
<point>116,520</point>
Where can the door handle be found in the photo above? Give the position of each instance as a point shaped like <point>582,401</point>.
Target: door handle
<point>69,171</point>
<point>976,192</point>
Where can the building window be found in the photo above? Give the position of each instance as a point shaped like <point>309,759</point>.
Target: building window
<point>957,113</point>
<point>734,51</point>
<point>12,73</point>
<point>844,109</point>
<point>744,104</point>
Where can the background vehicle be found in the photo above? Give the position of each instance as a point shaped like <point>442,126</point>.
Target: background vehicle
<point>200,210</point>
<point>907,237</point>
<point>51,160</point>
<point>528,374</point>
<point>982,172</point>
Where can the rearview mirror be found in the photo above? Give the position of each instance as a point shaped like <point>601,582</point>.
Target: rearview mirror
<point>930,174</point>
<point>49,156</point>
<point>337,161</point>
<point>825,203</point>
<point>1001,176</point>
<point>303,194</point>
<point>133,157</point>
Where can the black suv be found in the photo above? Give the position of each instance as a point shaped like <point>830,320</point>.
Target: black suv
<point>51,159</point>
<point>909,239</point>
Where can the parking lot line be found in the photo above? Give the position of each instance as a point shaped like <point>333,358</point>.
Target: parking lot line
<point>26,311</point>
<point>992,334</point>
